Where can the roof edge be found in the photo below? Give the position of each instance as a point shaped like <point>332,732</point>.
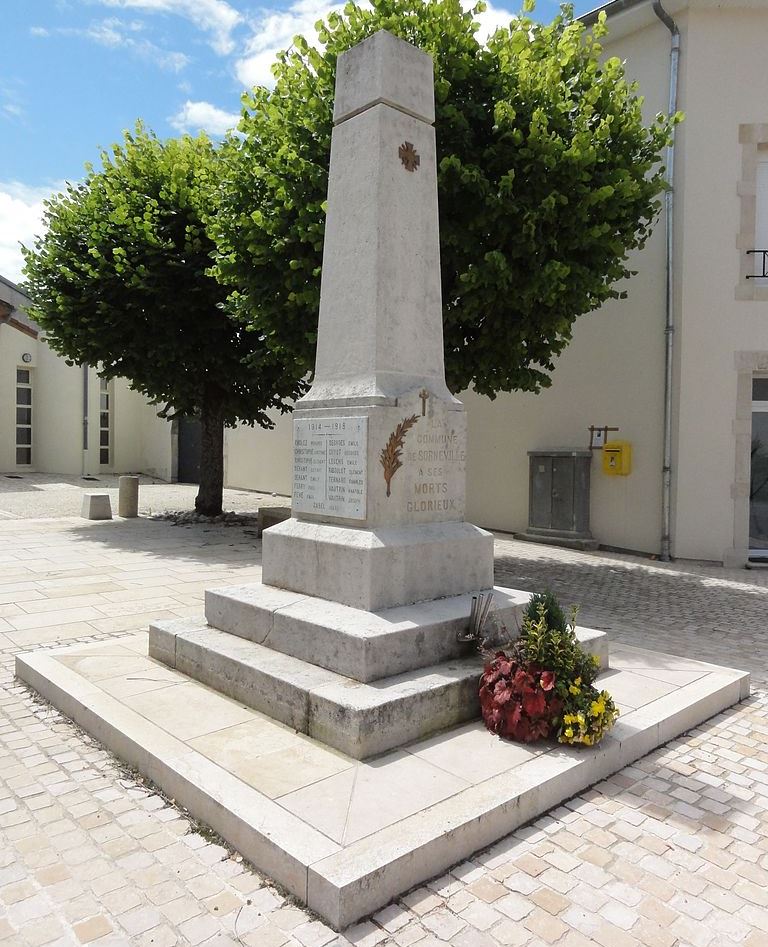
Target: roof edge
<point>13,286</point>
<point>609,8</point>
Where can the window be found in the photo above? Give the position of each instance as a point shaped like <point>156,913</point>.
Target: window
<point>105,412</point>
<point>761,218</point>
<point>23,416</point>
<point>752,189</point>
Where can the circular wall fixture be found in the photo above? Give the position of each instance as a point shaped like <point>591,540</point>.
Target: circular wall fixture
<point>26,358</point>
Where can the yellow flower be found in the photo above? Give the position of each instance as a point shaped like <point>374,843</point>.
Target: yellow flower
<point>569,732</point>
<point>587,739</point>
<point>580,717</point>
<point>573,689</point>
<point>577,681</point>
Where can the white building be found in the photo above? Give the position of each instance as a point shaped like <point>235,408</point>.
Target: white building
<point>60,418</point>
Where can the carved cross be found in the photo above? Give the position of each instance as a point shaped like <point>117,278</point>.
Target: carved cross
<point>409,156</point>
<point>423,394</point>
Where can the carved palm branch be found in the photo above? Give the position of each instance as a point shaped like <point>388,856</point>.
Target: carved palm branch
<point>390,457</point>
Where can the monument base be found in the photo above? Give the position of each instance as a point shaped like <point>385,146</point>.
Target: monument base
<point>364,646</point>
<point>346,837</point>
<point>377,568</point>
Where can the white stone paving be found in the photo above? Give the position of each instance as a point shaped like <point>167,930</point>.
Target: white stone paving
<point>671,851</point>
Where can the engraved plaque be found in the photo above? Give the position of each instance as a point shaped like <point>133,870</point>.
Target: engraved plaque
<point>329,466</point>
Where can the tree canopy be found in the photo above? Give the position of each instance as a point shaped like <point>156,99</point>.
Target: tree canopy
<point>547,177</point>
<point>121,279</point>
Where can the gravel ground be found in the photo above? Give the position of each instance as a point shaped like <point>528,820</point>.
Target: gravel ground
<point>44,496</point>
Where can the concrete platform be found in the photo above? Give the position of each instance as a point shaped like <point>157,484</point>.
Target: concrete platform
<point>364,646</point>
<point>344,836</point>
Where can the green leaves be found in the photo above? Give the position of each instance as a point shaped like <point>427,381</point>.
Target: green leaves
<point>547,181</point>
<point>124,278</point>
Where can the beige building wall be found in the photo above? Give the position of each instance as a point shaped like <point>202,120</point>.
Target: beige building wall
<point>726,102</point>
<point>143,442</point>
<point>57,414</point>
<point>256,459</point>
<point>157,441</point>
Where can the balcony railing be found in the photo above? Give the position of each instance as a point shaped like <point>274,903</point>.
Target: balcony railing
<point>762,256</point>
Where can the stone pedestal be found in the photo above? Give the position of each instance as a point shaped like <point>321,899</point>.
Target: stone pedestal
<point>379,441</point>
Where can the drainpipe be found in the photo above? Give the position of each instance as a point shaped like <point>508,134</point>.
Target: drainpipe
<point>669,328</point>
<point>85,421</point>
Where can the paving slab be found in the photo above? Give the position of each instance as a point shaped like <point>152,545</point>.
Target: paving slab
<point>687,820</point>
<point>347,836</point>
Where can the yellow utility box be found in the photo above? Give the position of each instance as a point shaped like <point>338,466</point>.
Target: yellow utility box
<point>617,458</point>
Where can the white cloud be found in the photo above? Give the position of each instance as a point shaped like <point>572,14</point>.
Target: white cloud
<point>275,31</point>
<point>196,116</point>
<point>120,34</point>
<point>490,19</point>
<point>38,31</point>
<point>21,212</point>
<point>215,17</point>
<point>11,99</point>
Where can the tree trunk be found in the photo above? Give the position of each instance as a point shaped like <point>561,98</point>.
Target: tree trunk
<point>210,495</point>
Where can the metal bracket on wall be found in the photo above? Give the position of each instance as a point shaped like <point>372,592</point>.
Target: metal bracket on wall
<point>598,435</point>
<point>764,274</point>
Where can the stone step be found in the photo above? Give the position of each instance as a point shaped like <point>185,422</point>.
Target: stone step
<point>361,720</point>
<point>364,646</point>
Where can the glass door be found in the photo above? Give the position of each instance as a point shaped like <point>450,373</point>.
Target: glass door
<point>758,488</point>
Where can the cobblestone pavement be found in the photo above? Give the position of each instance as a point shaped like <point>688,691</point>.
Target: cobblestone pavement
<point>671,851</point>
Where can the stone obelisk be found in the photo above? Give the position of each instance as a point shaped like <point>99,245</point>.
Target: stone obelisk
<point>379,441</point>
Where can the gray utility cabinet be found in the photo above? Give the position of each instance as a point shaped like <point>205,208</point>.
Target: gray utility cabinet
<point>558,509</point>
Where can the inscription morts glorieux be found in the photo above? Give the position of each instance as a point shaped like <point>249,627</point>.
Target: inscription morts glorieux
<point>329,466</point>
<point>437,456</point>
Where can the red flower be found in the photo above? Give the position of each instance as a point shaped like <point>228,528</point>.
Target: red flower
<point>518,701</point>
<point>514,714</point>
<point>501,692</point>
<point>522,681</point>
<point>534,703</point>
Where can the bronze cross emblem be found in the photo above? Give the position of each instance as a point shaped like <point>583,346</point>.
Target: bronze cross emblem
<point>423,394</point>
<point>409,156</point>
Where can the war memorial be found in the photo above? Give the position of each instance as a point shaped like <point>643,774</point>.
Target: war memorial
<point>324,721</point>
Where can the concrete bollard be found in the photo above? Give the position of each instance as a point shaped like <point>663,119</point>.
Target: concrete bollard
<point>128,497</point>
<point>96,506</point>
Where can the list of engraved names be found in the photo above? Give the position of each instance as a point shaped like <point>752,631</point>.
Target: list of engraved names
<point>329,466</point>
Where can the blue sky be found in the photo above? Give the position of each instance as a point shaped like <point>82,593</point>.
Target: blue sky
<point>75,73</point>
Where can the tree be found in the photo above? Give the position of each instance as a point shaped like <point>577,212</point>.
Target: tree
<point>547,179</point>
<point>121,278</point>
